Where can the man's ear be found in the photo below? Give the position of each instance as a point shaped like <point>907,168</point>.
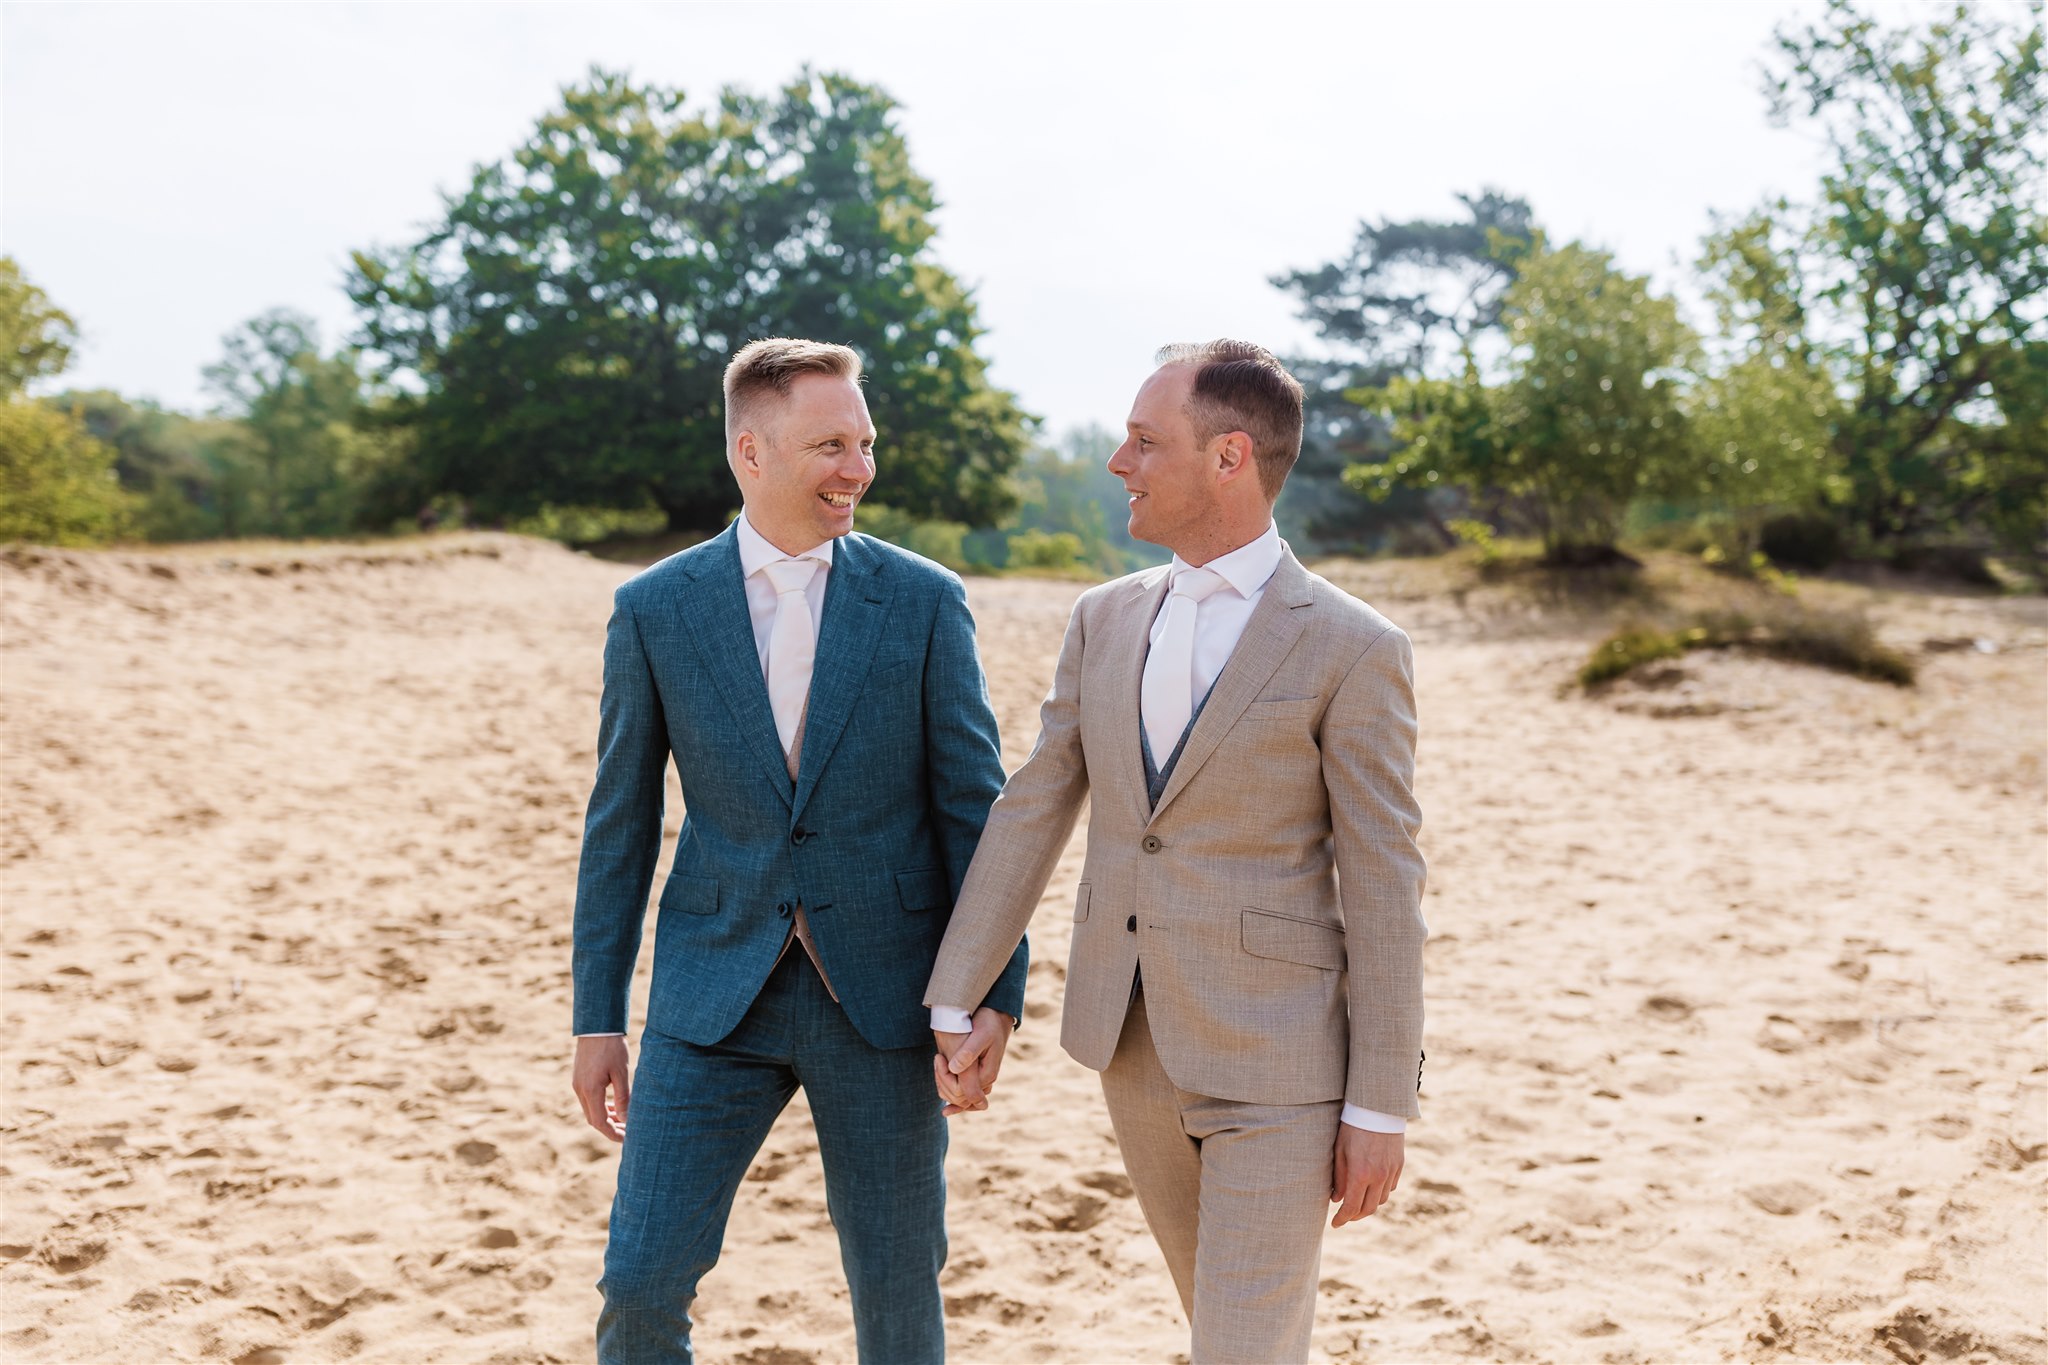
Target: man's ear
<point>1232,452</point>
<point>746,455</point>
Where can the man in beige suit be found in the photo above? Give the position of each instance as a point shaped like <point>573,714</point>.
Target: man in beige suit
<point>1246,970</point>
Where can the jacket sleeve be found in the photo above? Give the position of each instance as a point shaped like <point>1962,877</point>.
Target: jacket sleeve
<point>621,831</point>
<point>1028,829</point>
<point>964,761</point>
<point>1369,769</point>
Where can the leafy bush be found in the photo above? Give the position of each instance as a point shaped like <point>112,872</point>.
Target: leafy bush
<point>941,541</point>
<point>1630,648</point>
<point>1801,540</point>
<point>1789,630</point>
<point>580,525</point>
<point>57,484</point>
<point>1058,551</point>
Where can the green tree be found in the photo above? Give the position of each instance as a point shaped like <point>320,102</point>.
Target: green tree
<point>1766,412</point>
<point>305,446</point>
<point>36,336</point>
<point>57,484</point>
<point>561,335</point>
<point>193,476</point>
<point>1411,300</point>
<point>1587,417</point>
<point>1919,277</point>
<point>1063,488</point>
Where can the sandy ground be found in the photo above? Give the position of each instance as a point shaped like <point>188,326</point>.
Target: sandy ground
<point>1739,996</point>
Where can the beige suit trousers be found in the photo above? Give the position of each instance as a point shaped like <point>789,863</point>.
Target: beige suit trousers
<point>1236,1195</point>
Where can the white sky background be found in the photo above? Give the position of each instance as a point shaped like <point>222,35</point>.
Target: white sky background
<point>1112,176</point>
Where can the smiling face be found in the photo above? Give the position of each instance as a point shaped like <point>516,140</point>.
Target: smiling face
<point>804,460</point>
<point>1171,478</point>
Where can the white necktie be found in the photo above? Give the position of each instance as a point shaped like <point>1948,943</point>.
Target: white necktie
<point>792,645</point>
<point>1167,696</point>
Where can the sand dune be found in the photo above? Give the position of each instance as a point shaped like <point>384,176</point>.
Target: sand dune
<point>1738,1043</point>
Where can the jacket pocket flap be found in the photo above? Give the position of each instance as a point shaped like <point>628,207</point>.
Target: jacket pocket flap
<point>923,888</point>
<point>1081,903</point>
<point>1308,942</point>
<point>693,895</point>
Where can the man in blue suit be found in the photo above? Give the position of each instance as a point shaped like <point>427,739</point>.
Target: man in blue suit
<point>822,698</point>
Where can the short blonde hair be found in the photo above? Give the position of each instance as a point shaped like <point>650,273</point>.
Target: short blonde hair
<point>771,365</point>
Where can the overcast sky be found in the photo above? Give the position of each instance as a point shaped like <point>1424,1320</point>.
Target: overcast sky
<point>1112,176</point>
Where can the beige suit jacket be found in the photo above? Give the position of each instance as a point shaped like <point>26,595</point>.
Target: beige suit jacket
<point>1273,898</point>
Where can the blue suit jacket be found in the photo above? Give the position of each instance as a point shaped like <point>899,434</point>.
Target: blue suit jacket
<point>900,765</point>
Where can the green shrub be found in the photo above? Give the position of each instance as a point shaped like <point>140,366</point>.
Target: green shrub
<point>1801,540</point>
<point>57,484</point>
<point>1841,640</point>
<point>1956,563</point>
<point>941,541</point>
<point>576,525</point>
<point>1056,551</point>
<point>1480,537</point>
<point>1628,649</point>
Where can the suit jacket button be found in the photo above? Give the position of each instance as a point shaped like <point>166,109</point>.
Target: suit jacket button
<point>1152,844</point>
<point>783,909</point>
<point>1131,925</point>
<point>797,836</point>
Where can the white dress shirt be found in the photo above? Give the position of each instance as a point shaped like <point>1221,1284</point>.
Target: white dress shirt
<point>755,552</point>
<point>1220,619</point>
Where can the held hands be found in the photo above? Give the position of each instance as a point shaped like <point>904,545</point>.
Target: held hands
<point>601,1067</point>
<point>1367,1170</point>
<point>966,1065</point>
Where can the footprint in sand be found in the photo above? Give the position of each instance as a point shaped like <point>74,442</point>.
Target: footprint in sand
<point>1065,1210</point>
<point>1009,1312</point>
<point>775,1355</point>
<point>1913,1335</point>
<point>1783,1197</point>
<point>1115,1184</point>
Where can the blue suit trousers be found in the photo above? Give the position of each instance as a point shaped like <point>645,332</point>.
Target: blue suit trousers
<point>697,1119</point>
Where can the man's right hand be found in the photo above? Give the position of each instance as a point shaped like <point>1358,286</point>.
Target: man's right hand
<point>966,1065</point>
<point>600,1077</point>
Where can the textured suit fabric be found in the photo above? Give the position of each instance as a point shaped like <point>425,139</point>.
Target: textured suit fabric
<point>899,763</point>
<point>1259,1171</point>
<point>699,1116</point>
<point>1273,894</point>
<point>870,829</point>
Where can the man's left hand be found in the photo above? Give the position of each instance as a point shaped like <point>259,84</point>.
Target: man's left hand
<point>966,1065</point>
<point>1368,1168</point>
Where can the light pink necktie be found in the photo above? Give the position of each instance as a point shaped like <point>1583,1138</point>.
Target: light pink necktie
<point>792,645</point>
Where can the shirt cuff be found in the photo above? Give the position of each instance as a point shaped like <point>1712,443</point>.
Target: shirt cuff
<point>1373,1121</point>
<point>600,1035</point>
<point>948,1019</point>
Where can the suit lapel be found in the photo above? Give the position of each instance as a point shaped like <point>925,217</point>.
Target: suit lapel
<point>1277,622</point>
<point>856,605</point>
<point>1127,650</point>
<point>714,608</point>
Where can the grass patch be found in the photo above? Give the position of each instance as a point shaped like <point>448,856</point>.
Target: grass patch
<point>1787,629</point>
<point>1633,646</point>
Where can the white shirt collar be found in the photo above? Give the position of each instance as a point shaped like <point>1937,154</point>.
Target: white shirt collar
<point>1248,566</point>
<point>755,550</point>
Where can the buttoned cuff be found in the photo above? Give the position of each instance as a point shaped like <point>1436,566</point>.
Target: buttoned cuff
<point>1373,1121</point>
